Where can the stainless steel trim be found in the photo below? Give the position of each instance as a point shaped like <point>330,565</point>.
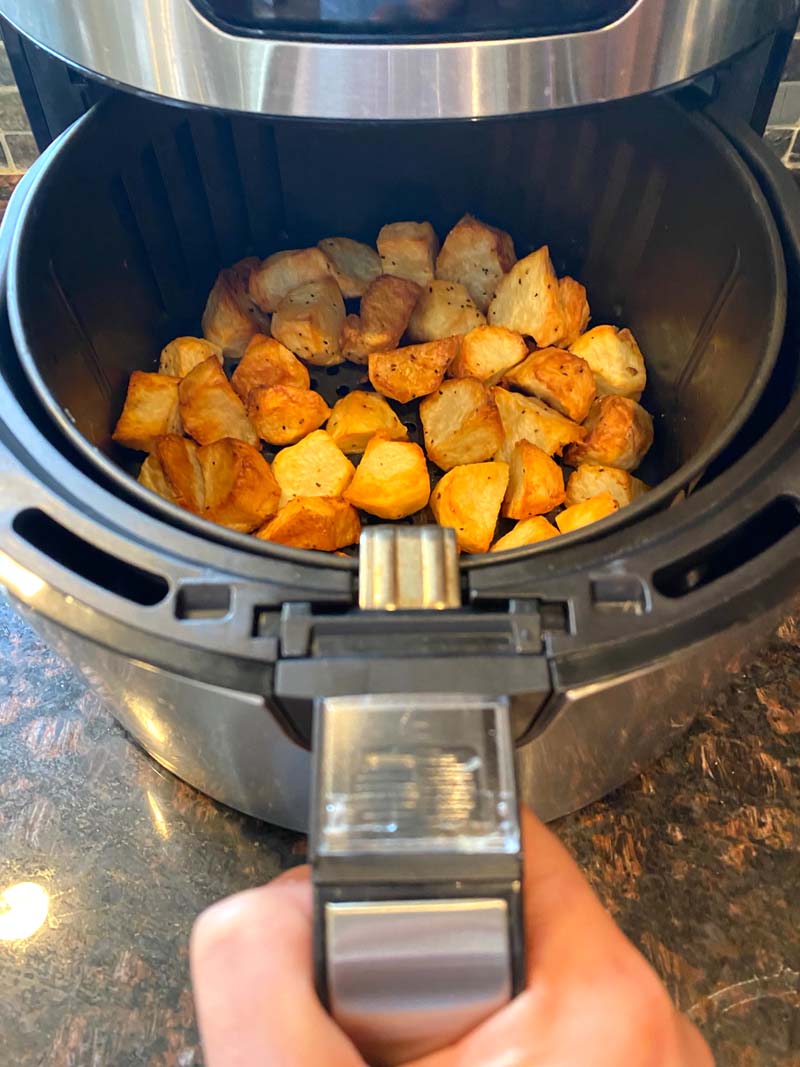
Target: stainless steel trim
<point>167,48</point>
<point>408,567</point>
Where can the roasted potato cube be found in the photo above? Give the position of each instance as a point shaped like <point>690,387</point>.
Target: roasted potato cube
<point>179,461</point>
<point>461,423</point>
<point>417,370</point>
<point>535,483</point>
<point>408,250</point>
<point>477,255</point>
<point>314,466</point>
<point>575,308</point>
<point>588,511</point>
<point>151,476</point>
<point>559,378</point>
<point>468,498</point>
<point>527,532</point>
<point>282,414</point>
<point>382,320</point>
<point>210,410</point>
<point>151,409</point>
<point>357,417</point>
<point>392,480</point>
<point>354,265</point>
<point>443,310</point>
<point>527,419</point>
<point>272,281</point>
<point>231,318</point>
<point>184,353</point>
<point>268,362</point>
<point>592,479</point>
<point>487,353</point>
<point>324,523</point>
<point>615,359</point>
<point>528,300</point>
<point>309,322</point>
<point>618,434</point>
<point>241,491</point>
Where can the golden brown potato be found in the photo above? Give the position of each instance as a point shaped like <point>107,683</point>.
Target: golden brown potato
<point>468,498</point>
<point>272,281</point>
<point>477,255</point>
<point>408,250</point>
<point>231,318</point>
<point>443,310</point>
<point>615,359</point>
<point>528,300</point>
<point>461,423</point>
<point>314,466</point>
<point>392,480</point>
<point>406,373</point>
<point>309,322</point>
<point>575,308</point>
<point>282,414</point>
<point>179,461</point>
<point>354,265</point>
<point>535,483</point>
<point>527,532</point>
<point>210,410</point>
<point>151,409</point>
<point>241,492</point>
<point>184,353</point>
<point>268,362</point>
<point>357,417</point>
<point>588,511</point>
<point>618,434</point>
<point>385,309</point>
<point>527,419</point>
<point>559,378</point>
<point>151,476</point>
<point>487,353</point>
<point>592,479</point>
<point>324,523</point>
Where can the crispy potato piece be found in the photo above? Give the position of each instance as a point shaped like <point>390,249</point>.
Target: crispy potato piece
<point>357,417</point>
<point>615,359</point>
<point>406,373</point>
<point>618,434</point>
<point>592,479</point>
<point>182,471</point>
<point>320,522</point>
<point>461,423</point>
<point>477,255</point>
<point>151,476</point>
<point>314,466</point>
<point>309,322</point>
<point>151,409</point>
<point>210,410</point>
<point>392,480</point>
<point>408,250</point>
<point>527,419</point>
<point>184,353</point>
<point>487,353</point>
<point>385,309</point>
<point>282,414</point>
<point>268,362</point>
<point>354,265</point>
<point>527,532</point>
<point>272,281</point>
<point>241,491</point>
<point>443,310</point>
<point>588,511</point>
<point>468,498</point>
<point>535,483</point>
<point>559,378</point>
<point>575,308</point>
<point>231,318</point>
<point>528,300</point>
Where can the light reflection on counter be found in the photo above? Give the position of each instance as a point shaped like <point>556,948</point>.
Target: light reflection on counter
<point>23,910</point>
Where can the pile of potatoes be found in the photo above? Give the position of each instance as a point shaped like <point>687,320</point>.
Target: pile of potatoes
<point>510,385</point>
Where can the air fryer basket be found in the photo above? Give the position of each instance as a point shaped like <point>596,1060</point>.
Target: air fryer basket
<point>647,204</point>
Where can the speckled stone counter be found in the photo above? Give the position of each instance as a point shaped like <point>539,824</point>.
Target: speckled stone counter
<point>698,859</point>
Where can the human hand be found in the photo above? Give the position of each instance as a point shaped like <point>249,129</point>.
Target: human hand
<point>591,999</point>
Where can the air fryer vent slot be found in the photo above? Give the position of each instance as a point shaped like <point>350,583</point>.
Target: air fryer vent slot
<point>203,600</point>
